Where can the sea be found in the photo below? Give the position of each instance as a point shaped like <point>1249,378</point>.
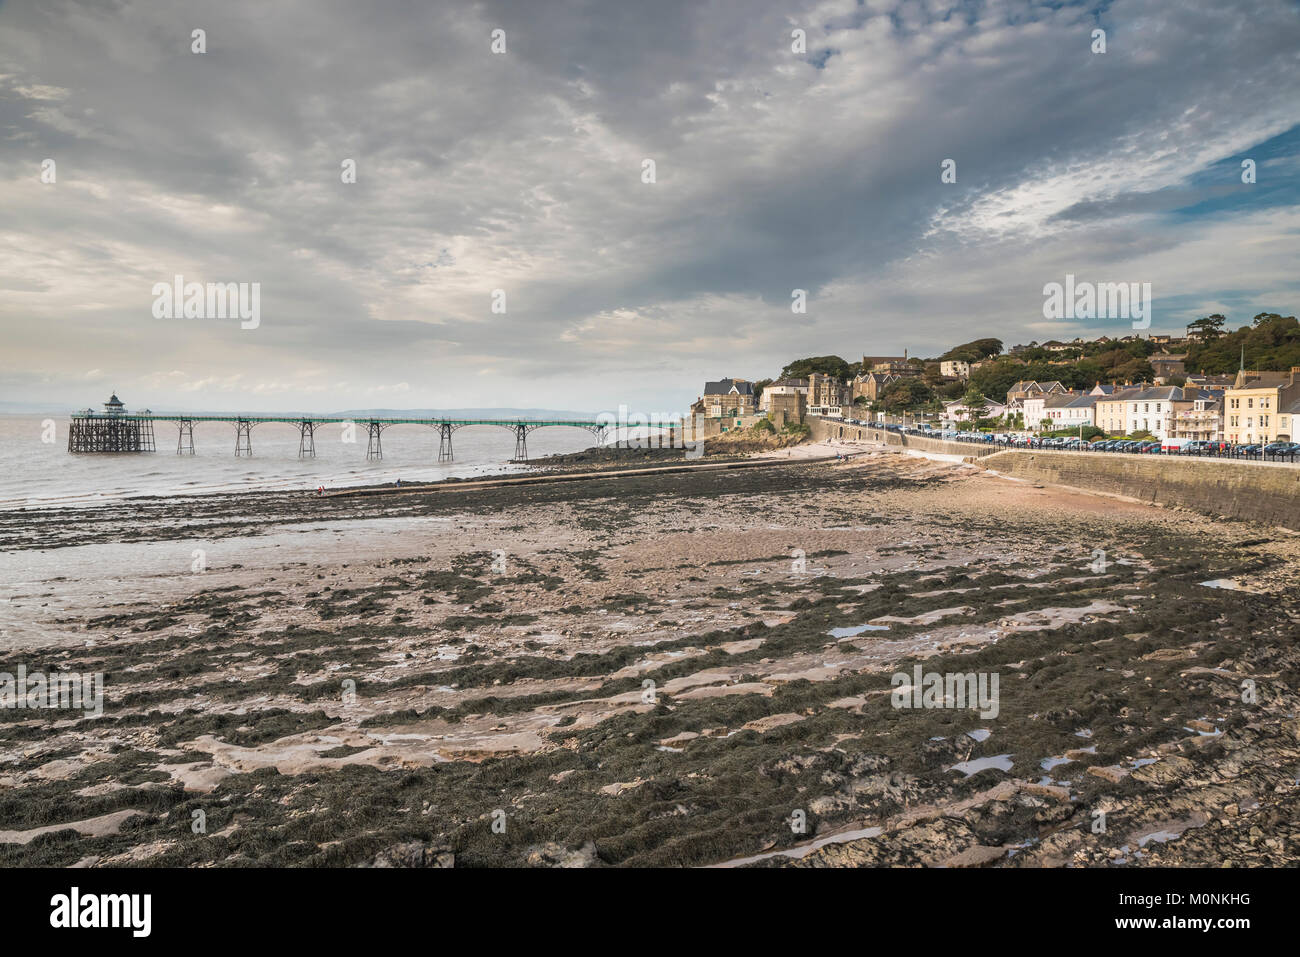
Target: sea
<point>37,471</point>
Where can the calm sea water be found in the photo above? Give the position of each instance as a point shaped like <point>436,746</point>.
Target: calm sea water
<point>36,473</point>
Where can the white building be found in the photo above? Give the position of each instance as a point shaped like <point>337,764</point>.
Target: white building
<point>1155,410</point>
<point>782,387</point>
<point>955,413</point>
<point>1069,412</point>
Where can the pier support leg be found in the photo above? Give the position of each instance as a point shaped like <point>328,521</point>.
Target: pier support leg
<point>185,437</point>
<point>444,442</point>
<point>374,448</point>
<point>243,438</point>
<point>306,439</point>
<point>521,443</point>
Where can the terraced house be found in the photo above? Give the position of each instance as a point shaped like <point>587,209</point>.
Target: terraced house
<point>1069,411</point>
<point>1262,406</point>
<point>1203,420</point>
<point>1110,413</point>
<point>1156,409</point>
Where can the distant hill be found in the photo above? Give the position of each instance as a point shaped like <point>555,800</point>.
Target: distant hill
<point>498,413</point>
<point>35,408</point>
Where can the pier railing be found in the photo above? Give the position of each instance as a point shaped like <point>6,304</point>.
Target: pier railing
<point>92,431</point>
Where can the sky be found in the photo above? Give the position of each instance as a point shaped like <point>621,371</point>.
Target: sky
<point>516,179</point>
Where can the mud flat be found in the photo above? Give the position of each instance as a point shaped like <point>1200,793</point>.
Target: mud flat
<point>677,669</point>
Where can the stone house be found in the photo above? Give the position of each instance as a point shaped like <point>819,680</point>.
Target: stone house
<point>728,398</point>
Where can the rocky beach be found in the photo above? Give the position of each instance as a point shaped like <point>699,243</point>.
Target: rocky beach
<point>678,668</point>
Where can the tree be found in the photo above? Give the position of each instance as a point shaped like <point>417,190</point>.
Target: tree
<point>974,404</point>
<point>822,365</point>
<point>1270,343</point>
<point>974,351</point>
<point>1210,327</point>
<point>907,395</point>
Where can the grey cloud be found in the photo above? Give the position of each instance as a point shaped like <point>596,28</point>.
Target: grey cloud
<point>522,172</point>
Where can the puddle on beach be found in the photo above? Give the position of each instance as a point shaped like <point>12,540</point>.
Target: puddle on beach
<point>1001,762</point>
<point>1226,583</point>
<point>855,631</point>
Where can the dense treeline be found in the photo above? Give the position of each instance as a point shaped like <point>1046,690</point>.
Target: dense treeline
<point>1270,343</point>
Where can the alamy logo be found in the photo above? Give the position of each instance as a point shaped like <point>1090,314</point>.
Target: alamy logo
<point>65,690</point>
<point>1106,300</point>
<point>214,300</point>
<point>951,690</point>
<point>103,910</point>
<point>654,430</point>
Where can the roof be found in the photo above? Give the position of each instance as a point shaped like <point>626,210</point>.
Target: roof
<point>791,383</point>
<point>1261,380</point>
<point>1124,394</point>
<point>1068,400</point>
<point>727,386</point>
<point>1171,393</point>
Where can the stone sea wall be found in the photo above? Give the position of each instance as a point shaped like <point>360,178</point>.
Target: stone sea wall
<point>1253,491</point>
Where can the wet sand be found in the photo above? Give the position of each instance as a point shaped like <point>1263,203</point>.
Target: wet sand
<point>641,670</point>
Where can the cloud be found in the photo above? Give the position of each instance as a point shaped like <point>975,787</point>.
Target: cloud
<point>522,172</point>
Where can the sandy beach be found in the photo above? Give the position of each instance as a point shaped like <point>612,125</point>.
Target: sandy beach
<point>686,668</point>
